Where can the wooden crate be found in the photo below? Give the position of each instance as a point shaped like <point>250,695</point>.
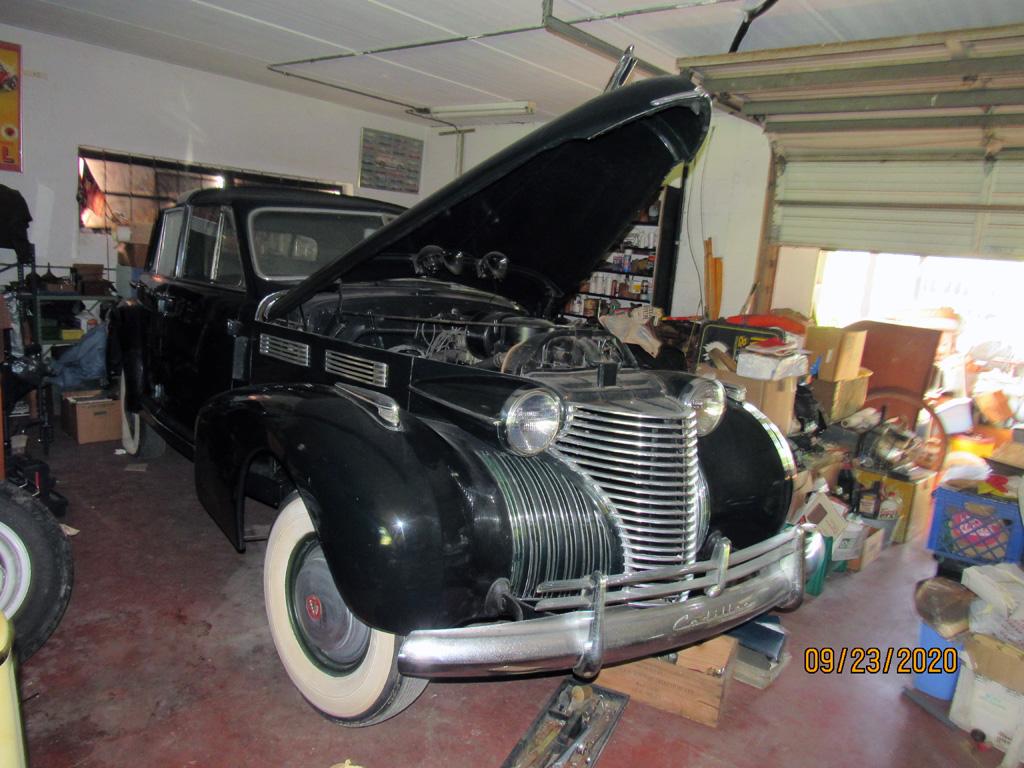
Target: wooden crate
<point>693,687</point>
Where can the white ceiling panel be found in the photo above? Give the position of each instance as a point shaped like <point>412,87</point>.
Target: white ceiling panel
<point>369,73</point>
<point>354,25</point>
<point>239,38</point>
<point>471,17</point>
<point>200,23</point>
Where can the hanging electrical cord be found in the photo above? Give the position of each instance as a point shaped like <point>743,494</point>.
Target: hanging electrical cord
<point>748,19</point>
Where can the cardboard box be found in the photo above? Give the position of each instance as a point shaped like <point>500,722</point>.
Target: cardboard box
<point>802,484</point>
<point>873,545</point>
<point>694,685</point>
<point>828,514</point>
<point>773,398</point>
<point>91,416</point>
<point>840,351</point>
<point>840,399</point>
<point>912,499</point>
<point>990,692</point>
<point>849,544</point>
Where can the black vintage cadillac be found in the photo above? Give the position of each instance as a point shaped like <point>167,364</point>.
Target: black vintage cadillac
<point>468,484</point>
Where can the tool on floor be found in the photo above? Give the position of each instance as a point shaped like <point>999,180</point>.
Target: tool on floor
<point>571,730</point>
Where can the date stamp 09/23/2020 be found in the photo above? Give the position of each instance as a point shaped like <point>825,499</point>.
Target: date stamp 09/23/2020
<point>874,661</point>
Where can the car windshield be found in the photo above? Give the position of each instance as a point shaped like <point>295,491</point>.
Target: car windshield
<point>290,244</point>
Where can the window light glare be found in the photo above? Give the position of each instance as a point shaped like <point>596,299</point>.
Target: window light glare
<point>218,181</point>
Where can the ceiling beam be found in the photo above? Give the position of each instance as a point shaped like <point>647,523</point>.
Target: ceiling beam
<point>991,65</point>
<point>892,124</point>
<point>978,97</point>
<point>881,44</point>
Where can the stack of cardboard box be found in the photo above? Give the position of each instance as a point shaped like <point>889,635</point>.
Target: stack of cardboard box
<point>841,385</point>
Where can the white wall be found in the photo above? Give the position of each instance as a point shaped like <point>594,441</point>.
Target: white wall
<point>483,142</point>
<point>76,94</point>
<point>796,278</point>
<point>724,201</point>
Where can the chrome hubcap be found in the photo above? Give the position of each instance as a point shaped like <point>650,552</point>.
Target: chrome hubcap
<point>15,571</point>
<point>332,637</point>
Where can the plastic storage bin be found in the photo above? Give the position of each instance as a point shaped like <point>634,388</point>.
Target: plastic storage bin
<point>975,529</point>
<point>941,685</point>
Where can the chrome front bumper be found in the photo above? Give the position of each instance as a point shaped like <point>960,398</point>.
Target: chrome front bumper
<point>737,586</point>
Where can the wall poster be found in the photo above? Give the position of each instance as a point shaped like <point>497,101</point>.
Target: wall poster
<point>390,161</point>
<point>10,107</point>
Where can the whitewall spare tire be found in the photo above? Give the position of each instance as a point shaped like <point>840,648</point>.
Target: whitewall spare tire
<point>344,668</point>
<point>36,571</point>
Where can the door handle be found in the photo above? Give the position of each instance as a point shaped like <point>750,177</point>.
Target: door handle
<point>164,305</point>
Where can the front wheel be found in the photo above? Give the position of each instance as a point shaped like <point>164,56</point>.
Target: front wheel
<point>344,668</point>
<point>35,569</point>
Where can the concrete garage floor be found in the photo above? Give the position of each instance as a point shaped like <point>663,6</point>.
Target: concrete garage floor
<point>164,659</point>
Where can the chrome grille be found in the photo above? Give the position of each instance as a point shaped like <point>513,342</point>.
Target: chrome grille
<point>561,528</point>
<point>647,465</point>
<point>294,352</point>
<point>358,369</point>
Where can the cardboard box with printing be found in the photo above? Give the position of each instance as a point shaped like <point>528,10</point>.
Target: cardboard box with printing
<point>840,351</point>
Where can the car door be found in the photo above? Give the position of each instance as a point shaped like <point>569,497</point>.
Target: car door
<point>152,293</point>
<point>200,316</point>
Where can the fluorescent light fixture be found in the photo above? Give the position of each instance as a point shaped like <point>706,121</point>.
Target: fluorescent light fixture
<point>496,109</point>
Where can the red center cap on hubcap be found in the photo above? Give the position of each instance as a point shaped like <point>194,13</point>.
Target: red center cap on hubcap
<point>314,608</point>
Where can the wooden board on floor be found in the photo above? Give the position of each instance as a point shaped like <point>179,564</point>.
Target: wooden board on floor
<point>694,686</point>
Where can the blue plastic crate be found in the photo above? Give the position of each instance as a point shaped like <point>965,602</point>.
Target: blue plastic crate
<point>975,529</point>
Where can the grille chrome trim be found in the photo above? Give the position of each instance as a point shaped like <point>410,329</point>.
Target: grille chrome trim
<point>561,527</point>
<point>646,465</point>
<point>359,369</point>
<point>294,352</point>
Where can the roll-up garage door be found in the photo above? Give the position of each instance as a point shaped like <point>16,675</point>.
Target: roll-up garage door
<point>959,208</point>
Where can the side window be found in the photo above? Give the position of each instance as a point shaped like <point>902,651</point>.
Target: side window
<point>201,243</point>
<point>170,236</point>
<point>228,267</point>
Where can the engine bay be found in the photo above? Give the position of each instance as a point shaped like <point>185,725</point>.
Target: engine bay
<point>450,323</point>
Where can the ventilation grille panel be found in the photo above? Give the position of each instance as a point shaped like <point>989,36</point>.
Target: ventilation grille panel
<point>294,352</point>
<point>356,368</point>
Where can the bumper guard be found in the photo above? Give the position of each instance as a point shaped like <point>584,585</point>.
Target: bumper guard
<point>605,624</point>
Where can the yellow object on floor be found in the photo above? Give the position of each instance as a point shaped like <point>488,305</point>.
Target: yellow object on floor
<point>12,738</point>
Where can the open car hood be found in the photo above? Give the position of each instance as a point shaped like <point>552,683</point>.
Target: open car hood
<point>554,202</point>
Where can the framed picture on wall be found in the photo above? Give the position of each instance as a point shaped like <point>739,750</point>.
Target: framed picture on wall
<point>10,107</point>
<point>390,161</point>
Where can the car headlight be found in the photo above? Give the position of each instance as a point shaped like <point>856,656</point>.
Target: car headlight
<point>707,398</point>
<point>530,421</point>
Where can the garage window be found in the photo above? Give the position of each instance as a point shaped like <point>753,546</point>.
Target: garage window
<point>985,293</point>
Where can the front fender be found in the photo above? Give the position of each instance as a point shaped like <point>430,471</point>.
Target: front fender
<point>412,526</point>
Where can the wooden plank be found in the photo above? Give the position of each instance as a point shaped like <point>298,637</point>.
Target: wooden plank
<point>905,206</point>
<point>767,252</point>
<point>822,77</point>
<point>693,687</point>
<point>855,46</point>
<point>709,253</point>
<point>838,125</point>
<point>977,97</point>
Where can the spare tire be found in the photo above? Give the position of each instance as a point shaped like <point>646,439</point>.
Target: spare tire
<point>36,570</point>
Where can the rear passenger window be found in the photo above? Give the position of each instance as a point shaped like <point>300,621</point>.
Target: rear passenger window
<point>170,236</point>
<point>201,243</point>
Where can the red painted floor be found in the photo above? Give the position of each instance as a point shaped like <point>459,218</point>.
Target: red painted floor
<point>164,659</point>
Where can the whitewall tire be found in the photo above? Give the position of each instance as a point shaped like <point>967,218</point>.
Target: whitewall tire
<point>345,669</point>
<point>137,437</point>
